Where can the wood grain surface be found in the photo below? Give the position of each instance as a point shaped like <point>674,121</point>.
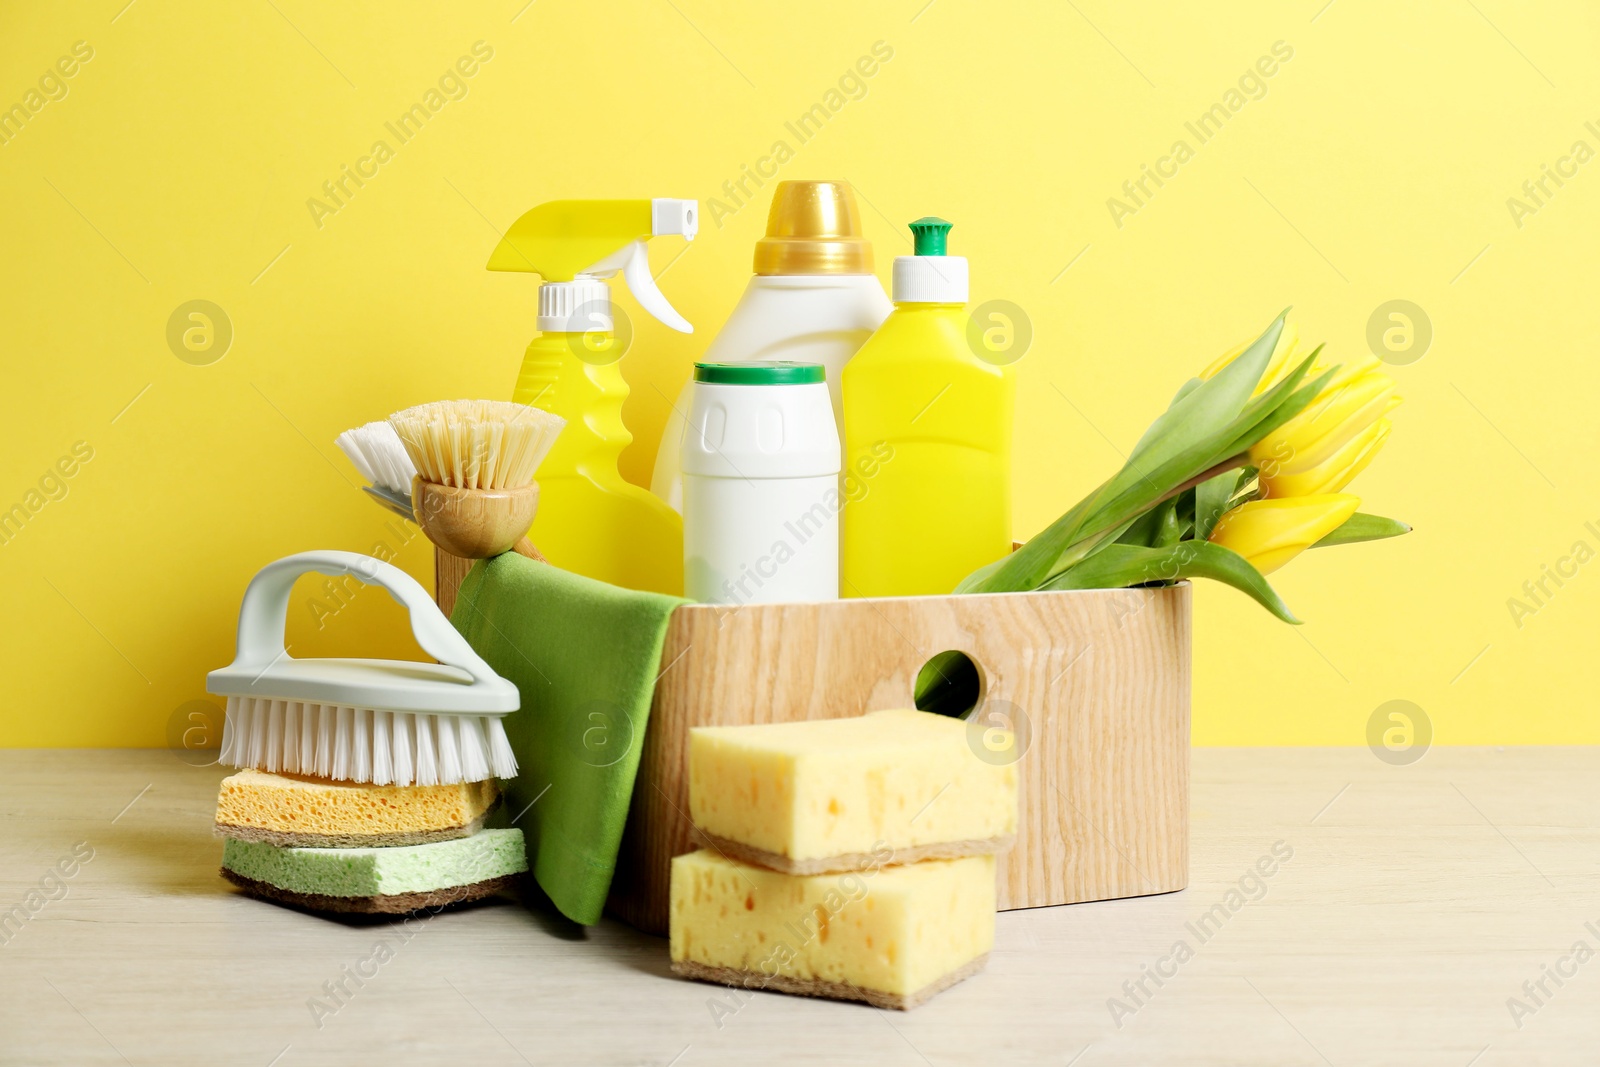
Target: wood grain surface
<point>1414,904</point>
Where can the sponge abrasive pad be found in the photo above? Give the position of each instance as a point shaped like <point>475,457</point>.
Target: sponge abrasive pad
<point>403,878</point>
<point>287,809</point>
<point>892,937</point>
<point>825,795</point>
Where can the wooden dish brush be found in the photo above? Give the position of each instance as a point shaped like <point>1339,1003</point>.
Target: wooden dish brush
<point>474,493</point>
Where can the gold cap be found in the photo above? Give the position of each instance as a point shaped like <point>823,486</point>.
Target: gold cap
<point>813,228</point>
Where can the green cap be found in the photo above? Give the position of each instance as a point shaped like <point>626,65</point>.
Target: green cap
<point>759,372</point>
<point>930,233</point>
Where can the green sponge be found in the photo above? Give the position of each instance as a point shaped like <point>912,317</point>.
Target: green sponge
<point>389,880</point>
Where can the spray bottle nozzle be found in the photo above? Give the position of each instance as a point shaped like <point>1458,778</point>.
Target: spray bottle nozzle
<point>669,216</point>
<point>568,240</point>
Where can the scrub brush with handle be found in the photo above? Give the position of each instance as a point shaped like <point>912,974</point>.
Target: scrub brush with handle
<point>474,493</point>
<point>388,722</point>
<point>376,451</point>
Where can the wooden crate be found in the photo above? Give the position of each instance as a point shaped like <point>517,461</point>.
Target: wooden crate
<point>1101,677</point>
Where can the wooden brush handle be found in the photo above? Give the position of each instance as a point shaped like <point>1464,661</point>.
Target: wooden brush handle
<point>524,547</point>
<point>474,523</point>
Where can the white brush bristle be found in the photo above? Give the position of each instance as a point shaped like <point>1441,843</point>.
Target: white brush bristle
<point>477,444</point>
<point>363,745</point>
<point>376,451</point>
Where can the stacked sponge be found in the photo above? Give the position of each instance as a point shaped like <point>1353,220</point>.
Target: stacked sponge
<point>355,847</point>
<point>846,858</point>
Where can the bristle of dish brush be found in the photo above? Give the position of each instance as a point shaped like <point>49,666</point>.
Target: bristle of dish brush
<point>477,444</point>
<point>364,745</point>
<point>376,451</point>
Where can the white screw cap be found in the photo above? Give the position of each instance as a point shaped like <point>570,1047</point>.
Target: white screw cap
<point>560,305</point>
<point>930,280</point>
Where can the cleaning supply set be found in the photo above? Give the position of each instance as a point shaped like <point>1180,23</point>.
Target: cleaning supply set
<point>826,449</point>
<point>804,461</point>
<point>902,385</point>
<point>848,858</point>
<point>327,743</point>
<point>925,421</point>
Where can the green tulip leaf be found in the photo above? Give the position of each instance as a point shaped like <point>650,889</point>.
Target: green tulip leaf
<point>1170,527</point>
<point>1185,501</point>
<point>1209,405</point>
<point>1122,566</point>
<point>1362,527</point>
<point>1211,500</point>
<point>974,582</point>
<point>1185,389</point>
<point>1189,438</point>
<point>1155,528</point>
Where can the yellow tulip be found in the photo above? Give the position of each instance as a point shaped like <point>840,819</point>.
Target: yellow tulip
<point>1269,533</point>
<point>1297,477</point>
<point>1327,444</point>
<point>1355,398</point>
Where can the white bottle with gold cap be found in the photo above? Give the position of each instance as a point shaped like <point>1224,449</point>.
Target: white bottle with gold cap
<point>813,299</point>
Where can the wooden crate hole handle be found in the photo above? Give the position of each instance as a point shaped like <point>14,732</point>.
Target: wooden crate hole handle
<point>950,683</point>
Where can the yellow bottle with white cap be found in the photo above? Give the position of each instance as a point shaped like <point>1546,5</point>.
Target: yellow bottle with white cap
<point>591,520</point>
<point>927,429</point>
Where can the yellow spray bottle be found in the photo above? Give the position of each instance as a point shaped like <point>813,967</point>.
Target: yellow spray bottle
<point>590,519</point>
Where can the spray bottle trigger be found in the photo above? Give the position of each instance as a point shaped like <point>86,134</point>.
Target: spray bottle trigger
<point>634,263</point>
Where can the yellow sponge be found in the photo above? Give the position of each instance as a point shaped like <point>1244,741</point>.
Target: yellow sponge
<point>892,936</point>
<point>827,795</point>
<point>304,812</point>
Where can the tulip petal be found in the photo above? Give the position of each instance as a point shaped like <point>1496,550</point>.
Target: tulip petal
<point>1328,423</point>
<point>1345,453</point>
<point>1269,533</point>
<point>1333,473</point>
<point>1353,367</point>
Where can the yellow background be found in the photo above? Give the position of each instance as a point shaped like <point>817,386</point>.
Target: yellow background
<point>1377,166</point>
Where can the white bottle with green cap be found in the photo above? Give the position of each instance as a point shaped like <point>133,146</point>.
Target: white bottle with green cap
<point>760,485</point>
<point>813,298</point>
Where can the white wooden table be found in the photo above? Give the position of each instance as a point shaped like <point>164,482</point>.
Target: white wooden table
<point>1416,903</point>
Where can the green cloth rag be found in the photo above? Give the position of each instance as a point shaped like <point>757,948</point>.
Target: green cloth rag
<point>584,655</point>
